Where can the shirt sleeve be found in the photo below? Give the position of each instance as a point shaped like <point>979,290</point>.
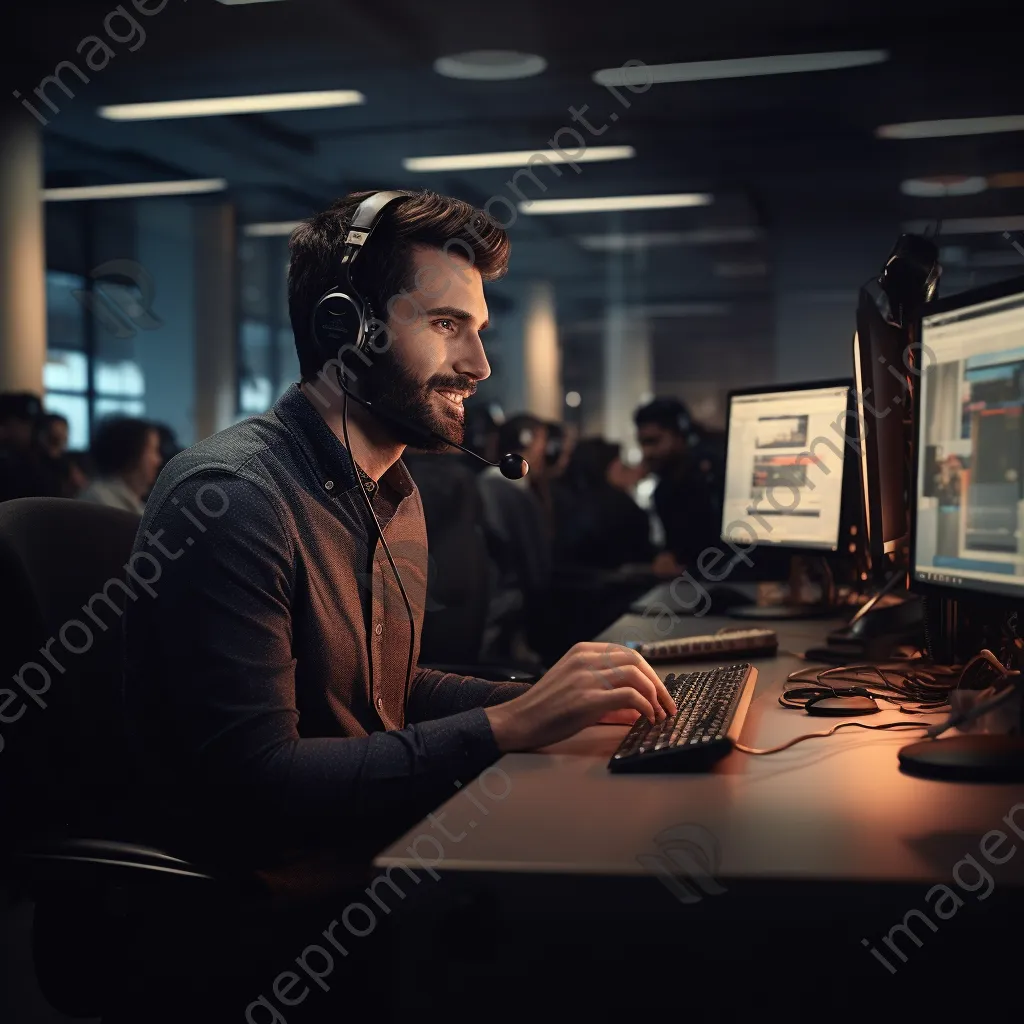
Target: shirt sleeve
<point>436,694</point>
<point>211,680</point>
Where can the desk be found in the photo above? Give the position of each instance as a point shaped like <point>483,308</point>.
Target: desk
<point>835,809</point>
<point>552,870</point>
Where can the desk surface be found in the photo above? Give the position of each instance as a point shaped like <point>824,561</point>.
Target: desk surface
<point>831,809</point>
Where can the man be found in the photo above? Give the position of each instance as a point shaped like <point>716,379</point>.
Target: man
<point>23,473</point>
<point>268,673</point>
<point>126,453</point>
<point>685,499</point>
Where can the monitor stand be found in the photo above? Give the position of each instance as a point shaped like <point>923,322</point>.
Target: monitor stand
<point>969,758</point>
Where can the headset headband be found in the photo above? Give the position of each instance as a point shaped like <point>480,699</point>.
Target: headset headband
<point>368,212</point>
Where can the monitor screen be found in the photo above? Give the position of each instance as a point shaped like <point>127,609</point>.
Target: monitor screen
<point>784,467</point>
<point>970,457</point>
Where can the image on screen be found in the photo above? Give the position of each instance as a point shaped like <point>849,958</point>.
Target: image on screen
<point>781,431</point>
<point>970,480</point>
<point>784,467</point>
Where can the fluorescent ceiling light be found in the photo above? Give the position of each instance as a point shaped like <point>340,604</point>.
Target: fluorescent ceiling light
<point>270,229</point>
<point>261,104</point>
<point>490,65</point>
<point>514,158</point>
<point>135,190</point>
<point>954,126</point>
<point>628,241</point>
<point>744,67</point>
<point>967,225</point>
<point>949,185</point>
<point>604,204</point>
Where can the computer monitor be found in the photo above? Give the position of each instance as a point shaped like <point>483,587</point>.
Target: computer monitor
<point>968,498</point>
<point>785,456</point>
<point>882,355</point>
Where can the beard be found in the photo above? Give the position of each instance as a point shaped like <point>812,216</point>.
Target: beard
<point>392,388</point>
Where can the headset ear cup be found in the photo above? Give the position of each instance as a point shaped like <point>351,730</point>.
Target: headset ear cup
<point>337,326</point>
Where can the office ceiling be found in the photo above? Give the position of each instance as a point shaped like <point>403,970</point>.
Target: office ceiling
<point>781,154</point>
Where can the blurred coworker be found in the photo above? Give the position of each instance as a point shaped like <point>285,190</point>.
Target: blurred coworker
<point>53,434</point>
<point>23,473</point>
<point>598,524</point>
<point>169,443</point>
<point>460,573</point>
<point>519,534</point>
<point>52,445</point>
<point>273,678</point>
<point>126,453</point>
<point>684,498</point>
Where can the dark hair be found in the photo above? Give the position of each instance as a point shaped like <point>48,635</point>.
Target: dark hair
<point>384,268</point>
<point>20,405</point>
<point>118,444</point>
<point>514,431</point>
<point>588,466</point>
<point>668,413</point>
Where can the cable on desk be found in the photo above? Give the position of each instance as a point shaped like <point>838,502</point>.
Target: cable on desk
<point>915,691</point>
<point>818,735</point>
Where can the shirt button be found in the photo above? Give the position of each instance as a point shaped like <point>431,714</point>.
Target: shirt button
<point>369,485</point>
<point>380,703</point>
<point>378,629</point>
<point>328,485</point>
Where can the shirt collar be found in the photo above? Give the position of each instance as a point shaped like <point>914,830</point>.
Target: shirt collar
<point>326,455</point>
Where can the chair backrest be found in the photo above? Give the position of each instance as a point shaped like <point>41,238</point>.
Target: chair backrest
<point>64,588</point>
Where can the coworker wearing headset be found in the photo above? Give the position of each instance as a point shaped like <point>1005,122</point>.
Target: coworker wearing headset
<point>271,676</point>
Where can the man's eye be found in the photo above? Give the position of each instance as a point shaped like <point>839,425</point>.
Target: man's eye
<point>450,324</point>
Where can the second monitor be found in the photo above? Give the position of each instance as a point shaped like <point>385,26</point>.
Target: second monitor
<point>785,468</point>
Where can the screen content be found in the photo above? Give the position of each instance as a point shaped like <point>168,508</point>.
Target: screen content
<point>784,467</point>
<point>971,453</point>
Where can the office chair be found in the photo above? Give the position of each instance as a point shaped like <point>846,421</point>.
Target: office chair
<point>65,788</point>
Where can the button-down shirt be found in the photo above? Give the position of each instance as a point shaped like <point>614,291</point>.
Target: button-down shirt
<point>267,670</point>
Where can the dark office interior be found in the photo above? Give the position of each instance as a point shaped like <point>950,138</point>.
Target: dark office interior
<point>637,628</point>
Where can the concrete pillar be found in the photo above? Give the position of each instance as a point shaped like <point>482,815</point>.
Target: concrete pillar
<point>542,361</point>
<point>216,331</point>
<point>628,371</point>
<point>22,256</point>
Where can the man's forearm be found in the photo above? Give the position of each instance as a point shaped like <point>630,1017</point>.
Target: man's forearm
<point>435,694</point>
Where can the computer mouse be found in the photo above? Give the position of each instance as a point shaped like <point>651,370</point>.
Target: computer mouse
<point>841,707</point>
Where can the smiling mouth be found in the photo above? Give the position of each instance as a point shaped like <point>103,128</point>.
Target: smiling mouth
<point>454,398</point>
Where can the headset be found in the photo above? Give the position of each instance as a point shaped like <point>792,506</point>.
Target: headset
<point>341,324</point>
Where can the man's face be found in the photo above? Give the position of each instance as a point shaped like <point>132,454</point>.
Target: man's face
<point>435,357</point>
<point>661,447</point>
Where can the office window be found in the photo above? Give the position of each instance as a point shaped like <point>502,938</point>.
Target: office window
<point>267,363</point>
<point>90,371</point>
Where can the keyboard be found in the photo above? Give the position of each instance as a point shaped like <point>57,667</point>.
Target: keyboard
<point>739,641</point>
<point>710,709</point>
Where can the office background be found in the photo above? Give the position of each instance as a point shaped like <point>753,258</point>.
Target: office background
<point>796,189</point>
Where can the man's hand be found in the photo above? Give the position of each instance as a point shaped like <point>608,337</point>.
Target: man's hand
<point>592,682</point>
